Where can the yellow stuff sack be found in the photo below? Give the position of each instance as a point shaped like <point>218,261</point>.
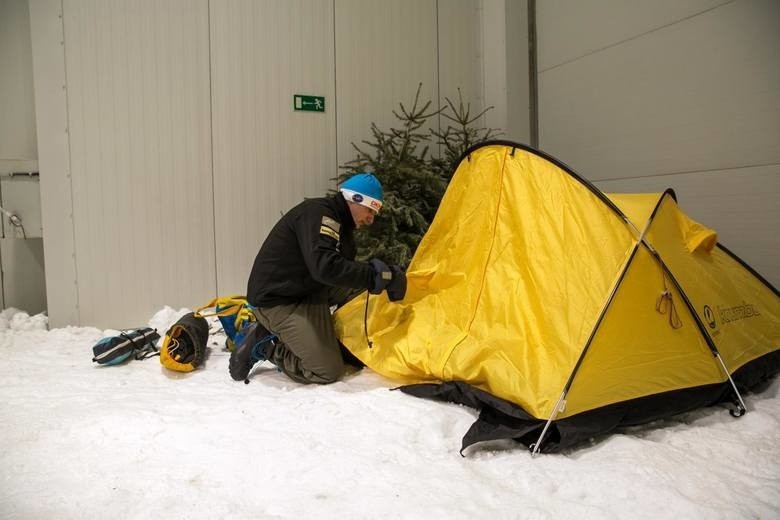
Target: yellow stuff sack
<point>184,345</point>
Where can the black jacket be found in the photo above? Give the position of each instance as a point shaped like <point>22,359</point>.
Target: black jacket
<point>311,247</point>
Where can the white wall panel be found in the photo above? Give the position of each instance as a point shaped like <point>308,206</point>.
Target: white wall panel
<point>726,201</point>
<point>483,50</point>
<point>140,153</point>
<point>518,126</point>
<point>699,95</point>
<point>17,100</point>
<point>494,60</point>
<point>460,53</point>
<point>20,195</point>
<point>21,247</point>
<point>267,157</point>
<point>576,28</point>
<point>383,51</point>
<point>51,116</point>
<point>23,279</point>
<point>173,146</point>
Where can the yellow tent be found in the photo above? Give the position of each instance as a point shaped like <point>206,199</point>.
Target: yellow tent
<point>561,312</point>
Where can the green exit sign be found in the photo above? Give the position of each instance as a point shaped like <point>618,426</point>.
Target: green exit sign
<point>310,103</point>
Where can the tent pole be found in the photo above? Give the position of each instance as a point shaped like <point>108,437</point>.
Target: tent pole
<point>741,408</point>
<point>641,240</point>
<point>740,404</point>
<point>538,444</point>
<point>561,403</point>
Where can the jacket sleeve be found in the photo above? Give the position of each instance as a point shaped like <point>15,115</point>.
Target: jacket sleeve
<point>318,237</point>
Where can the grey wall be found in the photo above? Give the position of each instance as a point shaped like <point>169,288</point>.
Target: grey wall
<point>21,247</point>
<point>168,144</point>
<point>17,105</point>
<point>641,96</point>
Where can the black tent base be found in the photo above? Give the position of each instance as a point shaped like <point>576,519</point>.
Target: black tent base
<point>501,419</point>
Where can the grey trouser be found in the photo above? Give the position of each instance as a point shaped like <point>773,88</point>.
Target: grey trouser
<point>308,351</point>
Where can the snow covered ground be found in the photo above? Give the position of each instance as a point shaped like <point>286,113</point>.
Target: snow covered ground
<point>137,441</point>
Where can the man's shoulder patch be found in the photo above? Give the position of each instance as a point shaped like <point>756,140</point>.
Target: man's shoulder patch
<point>325,230</point>
<point>331,223</point>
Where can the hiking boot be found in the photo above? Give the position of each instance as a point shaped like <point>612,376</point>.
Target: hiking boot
<point>252,349</point>
<point>260,349</point>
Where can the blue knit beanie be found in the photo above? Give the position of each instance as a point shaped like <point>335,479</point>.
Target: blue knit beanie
<point>364,189</point>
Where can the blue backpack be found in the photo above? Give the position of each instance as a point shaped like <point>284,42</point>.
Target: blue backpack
<point>234,314</point>
<point>139,343</point>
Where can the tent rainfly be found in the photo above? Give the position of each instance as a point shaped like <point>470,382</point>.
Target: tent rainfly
<point>561,312</point>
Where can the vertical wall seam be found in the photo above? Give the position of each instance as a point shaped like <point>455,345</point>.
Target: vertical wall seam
<point>2,235</point>
<point>69,174</point>
<point>211,146</point>
<point>481,13</point>
<point>533,77</point>
<point>335,93</point>
<point>438,77</point>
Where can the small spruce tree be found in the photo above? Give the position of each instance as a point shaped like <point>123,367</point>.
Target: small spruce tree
<point>413,181</point>
<point>459,135</point>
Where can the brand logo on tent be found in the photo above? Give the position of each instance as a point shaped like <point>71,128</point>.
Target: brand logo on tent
<point>738,312</point>
<point>710,317</point>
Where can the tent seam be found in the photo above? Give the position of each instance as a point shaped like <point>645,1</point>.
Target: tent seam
<point>484,272</point>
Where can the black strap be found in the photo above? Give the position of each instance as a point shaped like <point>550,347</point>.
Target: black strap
<point>145,349</point>
<point>365,322</point>
<point>148,351</point>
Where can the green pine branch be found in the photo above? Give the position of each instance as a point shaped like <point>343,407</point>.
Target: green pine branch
<point>413,181</point>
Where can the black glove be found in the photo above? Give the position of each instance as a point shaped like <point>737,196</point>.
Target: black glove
<point>396,289</point>
<point>382,276</point>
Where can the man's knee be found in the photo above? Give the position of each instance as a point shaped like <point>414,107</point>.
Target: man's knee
<point>331,372</point>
